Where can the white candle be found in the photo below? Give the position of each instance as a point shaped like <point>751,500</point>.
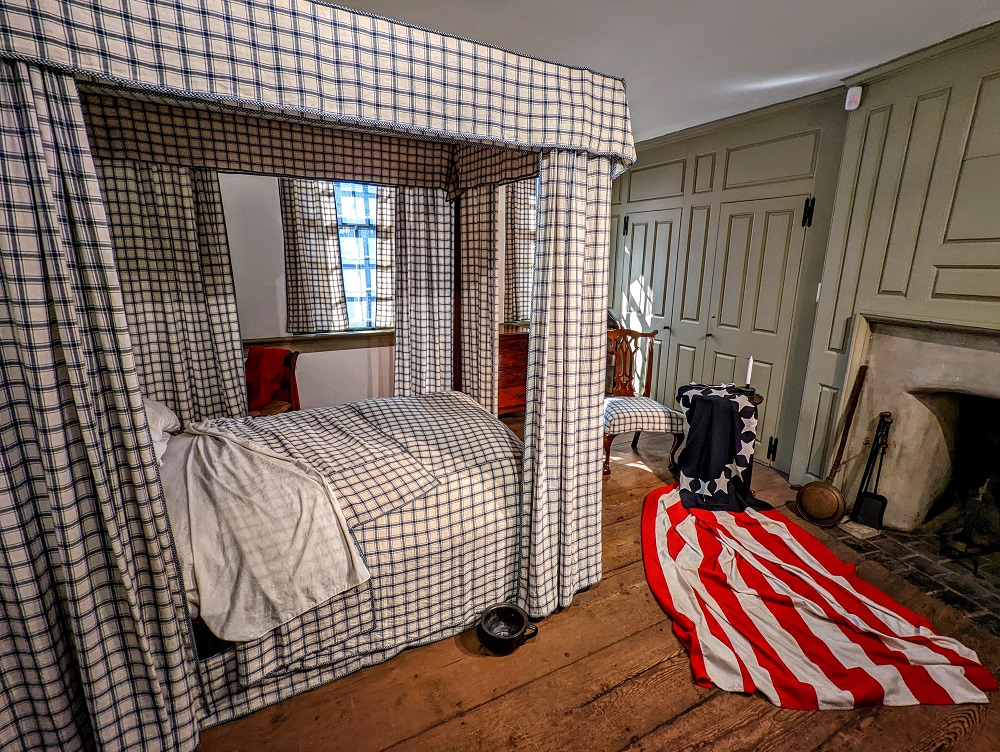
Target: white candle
<point>749,370</point>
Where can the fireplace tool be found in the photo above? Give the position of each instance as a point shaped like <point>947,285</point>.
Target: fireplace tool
<point>869,507</point>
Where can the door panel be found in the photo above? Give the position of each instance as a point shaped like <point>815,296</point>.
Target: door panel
<point>685,369</point>
<point>752,299</point>
<point>773,260</point>
<point>695,262</point>
<point>734,270</point>
<point>647,282</point>
<point>723,368</point>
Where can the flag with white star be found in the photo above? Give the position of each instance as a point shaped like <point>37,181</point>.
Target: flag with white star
<point>716,464</point>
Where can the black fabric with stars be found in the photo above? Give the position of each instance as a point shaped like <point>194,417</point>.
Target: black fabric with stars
<point>715,467</point>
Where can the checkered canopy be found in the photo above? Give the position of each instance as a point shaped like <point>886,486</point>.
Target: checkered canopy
<point>316,59</point>
<point>94,637</point>
<point>93,629</point>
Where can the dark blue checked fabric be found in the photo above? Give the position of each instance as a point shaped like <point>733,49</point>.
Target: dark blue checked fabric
<point>94,646</point>
<point>415,232</point>
<point>172,255</point>
<point>314,58</point>
<point>521,225</point>
<point>479,299</point>
<point>314,289</point>
<point>629,414</point>
<point>565,399</point>
<point>81,464</point>
<point>431,488</point>
<point>425,292</point>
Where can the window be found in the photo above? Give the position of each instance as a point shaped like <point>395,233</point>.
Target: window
<point>339,255</point>
<point>357,205</point>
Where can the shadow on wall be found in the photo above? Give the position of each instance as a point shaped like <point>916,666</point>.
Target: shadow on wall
<point>339,376</point>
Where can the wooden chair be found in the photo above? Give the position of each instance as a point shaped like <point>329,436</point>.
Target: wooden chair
<point>271,384</point>
<point>626,411</point>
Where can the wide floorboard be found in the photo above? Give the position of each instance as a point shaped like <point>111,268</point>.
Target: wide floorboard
<point>606,674</point>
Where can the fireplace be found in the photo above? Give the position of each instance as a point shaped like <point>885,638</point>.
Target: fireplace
<point>940,382</point>
<point>966,517</point>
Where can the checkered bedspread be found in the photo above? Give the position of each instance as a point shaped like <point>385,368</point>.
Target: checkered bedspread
<point>430,487</point>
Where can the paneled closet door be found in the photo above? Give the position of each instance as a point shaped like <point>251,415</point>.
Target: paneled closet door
<point>647,259</point>
<point>759,250</point>
<point>616,255</point>
<point>694,265</point>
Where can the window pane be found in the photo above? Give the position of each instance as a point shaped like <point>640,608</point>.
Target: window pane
<point>356,215</point>
<point>356,203</point>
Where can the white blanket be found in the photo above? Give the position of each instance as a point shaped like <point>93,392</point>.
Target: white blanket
<point>263,537</point>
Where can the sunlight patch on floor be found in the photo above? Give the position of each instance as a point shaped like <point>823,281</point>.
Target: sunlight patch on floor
<point>639,463</point>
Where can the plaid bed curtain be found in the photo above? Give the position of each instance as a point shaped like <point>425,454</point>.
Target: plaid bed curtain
<point>93,642</point>
<point>562,431</point>
<point>480,303</point>
<point>385,252</point>
<point>314,282</point>
<point>425,272</point>
<point>521,223</point>
<point>172,254</point>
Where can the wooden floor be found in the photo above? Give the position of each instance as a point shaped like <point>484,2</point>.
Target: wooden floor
<point>605,674</point>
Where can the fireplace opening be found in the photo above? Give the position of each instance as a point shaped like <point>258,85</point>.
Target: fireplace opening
<point>966,515</point>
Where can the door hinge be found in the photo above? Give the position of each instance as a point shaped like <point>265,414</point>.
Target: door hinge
<point>772,448</point>
<point>625,226</point>
<point>807,211</point>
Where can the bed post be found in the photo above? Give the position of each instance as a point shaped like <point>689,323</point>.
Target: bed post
<point>457,272</point>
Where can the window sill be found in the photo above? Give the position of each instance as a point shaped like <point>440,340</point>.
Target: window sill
<point>356,339</point>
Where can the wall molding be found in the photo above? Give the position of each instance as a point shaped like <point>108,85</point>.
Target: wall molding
<point>924,55</point>
<point>742,118</point>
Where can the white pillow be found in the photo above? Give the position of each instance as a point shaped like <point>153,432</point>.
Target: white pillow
<point>162,422</point>
<point>160,417</point>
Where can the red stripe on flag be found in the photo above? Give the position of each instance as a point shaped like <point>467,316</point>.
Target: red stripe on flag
<point>829,591</point>
<point>684,628</point>
<point>923,687</point>
<point>835,565</point>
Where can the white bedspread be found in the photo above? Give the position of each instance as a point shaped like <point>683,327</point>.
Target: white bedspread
<point>263,536</point>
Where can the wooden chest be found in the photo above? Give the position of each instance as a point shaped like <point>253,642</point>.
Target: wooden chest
<point>513,368</point>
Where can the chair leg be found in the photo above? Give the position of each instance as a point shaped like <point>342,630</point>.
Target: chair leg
<point>635,440</point>
<point>608,438</point>
<point>672,464</point>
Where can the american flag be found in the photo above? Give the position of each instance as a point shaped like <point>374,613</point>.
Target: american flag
<point>761,605</point>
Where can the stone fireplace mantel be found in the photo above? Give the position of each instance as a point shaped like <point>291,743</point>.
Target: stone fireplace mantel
<point>915,369</point>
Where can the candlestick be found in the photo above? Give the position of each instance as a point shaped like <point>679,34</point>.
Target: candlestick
<point>749,370</point>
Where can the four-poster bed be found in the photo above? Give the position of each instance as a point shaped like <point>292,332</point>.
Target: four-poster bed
<point>96,641</point>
